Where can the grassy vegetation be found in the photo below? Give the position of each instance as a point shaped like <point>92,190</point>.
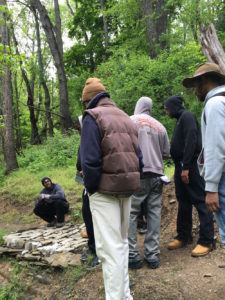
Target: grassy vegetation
<point>16,287</point>
<point>56,159</point>
<point>2,233</point>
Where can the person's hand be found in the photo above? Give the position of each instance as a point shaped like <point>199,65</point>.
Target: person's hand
<point>42,196</point>
<point>81,173</point>
<point>212,201</point>
<point>185,176</point>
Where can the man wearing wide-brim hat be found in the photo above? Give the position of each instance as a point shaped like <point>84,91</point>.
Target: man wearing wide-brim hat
<point>209,84</point>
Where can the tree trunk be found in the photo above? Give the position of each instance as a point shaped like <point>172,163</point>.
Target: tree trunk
<point>48,118</point>
<point>58,30</point>
<point>106,33</point>
<point>17,116</point>
<point>150,26</point>
<point>66,121</point>
<point>211,46</point>
<point>8,140</point>
<point>70,8</point>
<point>35,138</point>
<point>161,23</point>
<point>156,23</point>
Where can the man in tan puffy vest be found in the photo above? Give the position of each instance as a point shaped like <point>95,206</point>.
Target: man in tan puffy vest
<point>110,164</point>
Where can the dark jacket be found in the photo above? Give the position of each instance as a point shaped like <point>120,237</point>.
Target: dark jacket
<point>186,142</point>
<point>55,191</point>
<point>109,149</point>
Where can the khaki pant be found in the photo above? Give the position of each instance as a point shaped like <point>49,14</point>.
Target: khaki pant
<point>111,219</point>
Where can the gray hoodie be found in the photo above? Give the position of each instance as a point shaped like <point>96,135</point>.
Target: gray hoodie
<point>152,137</point>
<point>212,158</point>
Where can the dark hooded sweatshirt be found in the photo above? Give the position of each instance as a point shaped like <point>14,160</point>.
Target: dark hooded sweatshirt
<point>186,141</point>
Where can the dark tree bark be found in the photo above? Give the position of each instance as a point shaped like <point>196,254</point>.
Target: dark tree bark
<point>150,26</point>
<point>211,46</point>
<point>57,28</point>
<point>106,32</point>
<point>70,7</point>
<point>17,116</point>
<point>156,23</point>
<point>48,118</point>
<point>8,139</point>
<point>35,138</point>
<point>66,121</point>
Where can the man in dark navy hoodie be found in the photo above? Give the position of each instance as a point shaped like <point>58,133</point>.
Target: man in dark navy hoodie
<point>189,185</point>
<point>51,205</point>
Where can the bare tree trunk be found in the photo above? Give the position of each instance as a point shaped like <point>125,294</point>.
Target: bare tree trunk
<point>156,25</point>
<point>150,26</point>
<point>17,116</point>
<point>161,23</point>
<point>48,118</point>
<point>57,28</point>
<point>106,33</point>
<point>211,46</point>
<point>8,140</point>
<point>70,7</point>
<point>66,121</point>
<point>35,138</point>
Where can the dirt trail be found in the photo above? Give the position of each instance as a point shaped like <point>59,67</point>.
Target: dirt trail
<point>179,276</point>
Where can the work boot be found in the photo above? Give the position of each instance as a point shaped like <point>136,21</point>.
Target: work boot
<point>84,234</point>
<point>176,244</point>
<point>201,250</point>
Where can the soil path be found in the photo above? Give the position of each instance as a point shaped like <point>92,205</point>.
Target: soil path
<point>179,276</point>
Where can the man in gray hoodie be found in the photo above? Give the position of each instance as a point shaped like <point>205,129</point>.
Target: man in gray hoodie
<point>209,84</point>
<point>154,144</point>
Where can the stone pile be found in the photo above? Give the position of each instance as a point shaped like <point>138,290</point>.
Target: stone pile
<point>47,246</point>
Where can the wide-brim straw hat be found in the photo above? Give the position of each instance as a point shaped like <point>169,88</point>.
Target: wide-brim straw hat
<point>207,68</point>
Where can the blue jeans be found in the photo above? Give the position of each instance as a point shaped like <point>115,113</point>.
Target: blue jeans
<point>220,216</point>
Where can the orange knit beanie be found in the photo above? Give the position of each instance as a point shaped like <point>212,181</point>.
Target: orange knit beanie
<point>93,86</point>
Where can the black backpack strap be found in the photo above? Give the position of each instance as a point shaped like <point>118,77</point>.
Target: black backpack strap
<point>219,94</point>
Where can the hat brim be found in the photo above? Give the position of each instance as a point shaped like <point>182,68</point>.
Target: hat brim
<point>189,82</point>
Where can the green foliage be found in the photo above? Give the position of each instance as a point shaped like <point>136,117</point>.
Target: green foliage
<point>130,76</point>
<point>56,158</point>
<point>58,151</point>
<point>16,288</point>
<point>77,213</point>
<point>2,233</point>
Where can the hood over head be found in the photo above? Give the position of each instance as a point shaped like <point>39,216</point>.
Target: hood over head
<point>143,106</point>
<point>174,105</point>
<point>44,178</point>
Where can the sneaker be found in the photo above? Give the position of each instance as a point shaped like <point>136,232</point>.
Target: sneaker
<point>93,263</point>
<point>201,250</point>
<point>52,223</point>
<point>135,264</point>
<point>85,255</point>
<point>59,225</point>
<point>153,264</point>
<point>176,244</point>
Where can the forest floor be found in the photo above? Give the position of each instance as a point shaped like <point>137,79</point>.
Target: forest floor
<point>179,276</point>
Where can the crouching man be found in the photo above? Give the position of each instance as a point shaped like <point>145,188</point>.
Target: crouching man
<point>51,204</point>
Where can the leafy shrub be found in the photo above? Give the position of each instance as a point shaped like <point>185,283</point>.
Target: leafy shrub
<point>59,151</point>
